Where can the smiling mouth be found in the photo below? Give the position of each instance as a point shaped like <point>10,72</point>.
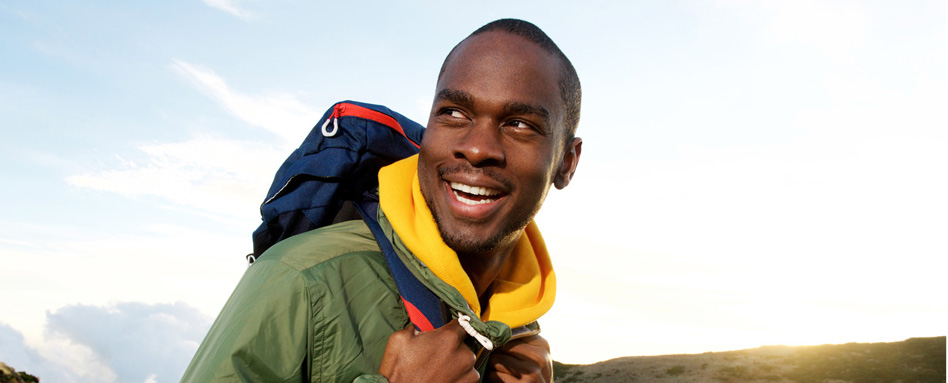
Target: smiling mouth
<point>474,195</point>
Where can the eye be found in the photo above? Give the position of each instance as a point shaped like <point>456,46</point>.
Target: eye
<point>450,112</point>
<point>520,125</point>
<point>453,117</point>
<point>523,129</point>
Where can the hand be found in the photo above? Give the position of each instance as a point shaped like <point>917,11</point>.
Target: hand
<point>436,356</point>
<point>521,360</point>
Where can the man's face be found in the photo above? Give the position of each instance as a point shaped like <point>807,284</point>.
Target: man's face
<point>494,142</point>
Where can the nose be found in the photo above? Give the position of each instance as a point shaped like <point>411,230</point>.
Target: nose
<point>482,145</point>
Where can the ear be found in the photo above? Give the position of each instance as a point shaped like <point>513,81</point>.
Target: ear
<point>568,165</point>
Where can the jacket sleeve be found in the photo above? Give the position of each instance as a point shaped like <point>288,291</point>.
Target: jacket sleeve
<point>261,333</point>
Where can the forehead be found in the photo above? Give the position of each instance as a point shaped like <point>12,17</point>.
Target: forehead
<point>501,67</point>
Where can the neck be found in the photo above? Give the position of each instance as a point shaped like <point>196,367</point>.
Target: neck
<point>482,269</point>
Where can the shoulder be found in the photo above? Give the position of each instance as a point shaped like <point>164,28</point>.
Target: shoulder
<point>297,303</point>
<point>327,260</point>
<point>351,299</point>
<point>310,249</point>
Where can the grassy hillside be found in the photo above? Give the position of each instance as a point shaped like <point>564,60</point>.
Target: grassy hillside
<point>916,360</point>
<point>10,375</point>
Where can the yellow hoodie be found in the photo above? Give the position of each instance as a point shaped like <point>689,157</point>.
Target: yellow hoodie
<point>524,289</point>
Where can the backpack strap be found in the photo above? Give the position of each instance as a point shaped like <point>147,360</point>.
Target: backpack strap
<point>425,309</point>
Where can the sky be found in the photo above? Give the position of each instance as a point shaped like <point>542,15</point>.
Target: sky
<point>753,172</point>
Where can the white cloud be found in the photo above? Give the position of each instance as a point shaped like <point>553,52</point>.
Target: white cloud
<point>52,360</point>
<point>224,178</point>
<point>123,342</point>
<point>15,353</point>
<point>280,113</point>
<point>77,362</point>
<point>212,175</point>
<point>162,264</point>
<point>230,6</point>
<point>137,341</point>
<point>207,174</point>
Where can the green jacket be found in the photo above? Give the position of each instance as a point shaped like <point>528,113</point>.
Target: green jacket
<point>319,307</point>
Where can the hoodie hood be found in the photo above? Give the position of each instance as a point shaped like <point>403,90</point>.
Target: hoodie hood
<point>526,285</point>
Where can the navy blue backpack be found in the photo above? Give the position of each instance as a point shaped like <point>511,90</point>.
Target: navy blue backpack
<point>335,172</point>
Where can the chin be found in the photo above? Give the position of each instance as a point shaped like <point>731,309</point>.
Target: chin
<point>480,245</point>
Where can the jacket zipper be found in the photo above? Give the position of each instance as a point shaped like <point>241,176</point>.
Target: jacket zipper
<point>483,355</point>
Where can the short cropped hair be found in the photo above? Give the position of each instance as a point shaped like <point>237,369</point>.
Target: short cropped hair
<point>570,89</point>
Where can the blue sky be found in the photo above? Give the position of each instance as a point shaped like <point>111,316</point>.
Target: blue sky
<point>753,172</point>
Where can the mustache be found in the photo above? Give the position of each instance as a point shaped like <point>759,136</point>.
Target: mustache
<point>466,168</point>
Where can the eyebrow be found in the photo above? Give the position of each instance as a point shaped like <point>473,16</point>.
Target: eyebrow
<point>459,97</point>
<point>465,99</point>
<point>523,108</point>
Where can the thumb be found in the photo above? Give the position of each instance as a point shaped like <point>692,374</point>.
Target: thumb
<point>455,328</point>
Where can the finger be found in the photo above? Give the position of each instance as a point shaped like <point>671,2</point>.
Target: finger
<point>498,377</point>
<point>455,328</point>
<point>401,336</point>
<point>472,376</point>
<point>533,343</point>
<point>491,376</point>
<point>538,352</point>
<point>522,353</point>
<point>513,366</point>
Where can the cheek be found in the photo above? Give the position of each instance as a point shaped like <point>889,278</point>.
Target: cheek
<point>430,158</point>
<point>538,164</point>
<point>433,145</point>
<point>535,177</point>
<point>425,171</point>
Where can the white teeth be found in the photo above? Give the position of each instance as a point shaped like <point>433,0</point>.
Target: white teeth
<point>475,190</point>
<point>470,201</point>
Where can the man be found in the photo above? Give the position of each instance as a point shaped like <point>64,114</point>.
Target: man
<point>322,307</point>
